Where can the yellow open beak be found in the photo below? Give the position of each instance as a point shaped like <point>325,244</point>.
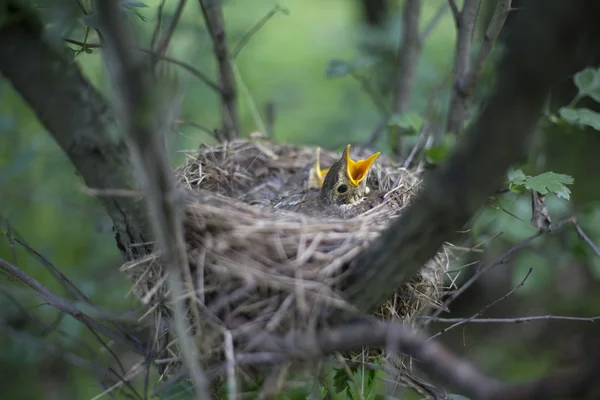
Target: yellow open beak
<point>317,175</point>
<point>357,171</point>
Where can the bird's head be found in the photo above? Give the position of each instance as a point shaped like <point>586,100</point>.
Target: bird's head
<point>346,181</point>
<point>316,176</point>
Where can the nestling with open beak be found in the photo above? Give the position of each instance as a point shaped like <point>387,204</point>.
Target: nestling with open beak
<point>342,187</point>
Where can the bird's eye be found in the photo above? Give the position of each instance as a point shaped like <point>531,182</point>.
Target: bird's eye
<point>342,188</point>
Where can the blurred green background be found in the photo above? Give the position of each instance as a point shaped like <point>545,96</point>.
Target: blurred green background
<point>285,63</point>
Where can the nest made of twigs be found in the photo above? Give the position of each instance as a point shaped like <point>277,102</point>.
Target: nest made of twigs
<point>257,272</point>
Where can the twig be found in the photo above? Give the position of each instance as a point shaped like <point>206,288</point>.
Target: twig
<point>137,103</point>
<point>191,69</point>
<point>455,11</point>
<point>230,356</point>
<point>164,43</point>
<point>65,306</point>
<point>500,260</point>
<point>157,27</point>
<point>480,312</point>
<point>518,320</point>
<point>586,239</point>
<point>213,17</point>
<point>433,22</point>
<point>244,40</point>
<point>464,42</point>
<point>491,35</point>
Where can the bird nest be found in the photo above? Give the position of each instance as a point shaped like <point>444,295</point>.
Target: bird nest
<point>255,271</point>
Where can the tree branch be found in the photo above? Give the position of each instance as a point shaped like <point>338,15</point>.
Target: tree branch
<point>76,116</point>
<point>462,60</point>
<point>213,17</point>
<point>142,121</point>
<point>454,192</point>
<point>15,273</point>
<point>408,57</point>
<point>491,35</point>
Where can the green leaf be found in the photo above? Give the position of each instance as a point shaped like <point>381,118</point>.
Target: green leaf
<point>411,122</point>
<point>340,380</point>
<point>581,116</point>
<point>550,182</point>
<point>516,176</point>
<point>588,83</point>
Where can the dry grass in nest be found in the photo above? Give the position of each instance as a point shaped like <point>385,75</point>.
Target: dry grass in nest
<point>257,272</point>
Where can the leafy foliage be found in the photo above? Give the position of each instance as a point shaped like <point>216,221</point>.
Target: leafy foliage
<point>580,116</point>
<point>543,183</point>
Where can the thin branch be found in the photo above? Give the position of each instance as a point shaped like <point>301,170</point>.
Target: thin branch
<point>164,43</point>
<point>213,17</point>
<point>191,69</point>
<point>455,11</point>
<point>433,22</point>
<point>65,306</point>
<point>244,40</point>
<point>141,122</point>
<point>462,61</point>
<point>491,35</point>
<point>518,320</point>
<point>586,239</point>
<point>158,26</point>
<point>480,312</point>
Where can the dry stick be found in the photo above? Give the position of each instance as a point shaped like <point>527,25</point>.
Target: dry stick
<point>465,25</point>
<point>141,120</point>
<point>455,11</point>
<point>518,320</point>
<point>477,314</point>
<point>68,308</point>
<point>213,17</point>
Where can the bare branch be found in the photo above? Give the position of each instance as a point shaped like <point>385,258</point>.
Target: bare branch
<point>408,56</point>
<point>65,306</point>
<point>477,314</point>
<point>491,35</point>
<point>141,120</point>
<point>246,38</point>
<point>191,69</point>
<point>518,320</point>
<point>455,11</point>
<point>213,17</point>
<point>164,43</point>
<point>433,22</point>
<point>456,190</point>
<point>158,26</point>
<point>462,58</point>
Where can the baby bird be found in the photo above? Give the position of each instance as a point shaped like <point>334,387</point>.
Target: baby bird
<point>342,187</point>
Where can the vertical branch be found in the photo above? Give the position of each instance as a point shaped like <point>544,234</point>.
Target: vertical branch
<point>408,56</point>
<point>141,120</point>
<point>213,17</point>
<point>491,34</point>
<point>465,25</point>
<point>164,43</point>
